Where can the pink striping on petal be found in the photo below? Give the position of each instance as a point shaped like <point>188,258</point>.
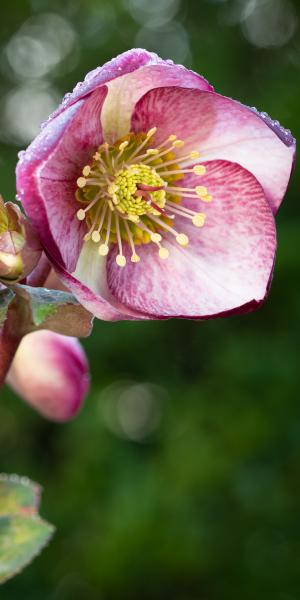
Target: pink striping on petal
<point>227,265</point>
<point>220,128</point>
<point>46,176</point>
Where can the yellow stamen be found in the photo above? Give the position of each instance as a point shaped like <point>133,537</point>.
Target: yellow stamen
<point>163,253</point>
<point>178,144</point>
<point>86,171</point>
<point>123,145</point>
<point>103,250</point>
<point>182,239</point>
<point>151,132</point>
<point>206,198</point>
<point>201,190</point>
<point>199,219</point>
<point>127,198</point>
<point>199,170</point>
<point>121,260</point>
<point>81,182</point>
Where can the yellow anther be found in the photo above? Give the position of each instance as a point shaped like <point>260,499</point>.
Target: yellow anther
<point>103,250</point>
<point>152,151</point>
<point>96,237</point>
<point>121,260</point>
<point>151,132</point>
<point>135,258</point>
<point>207,198</point>
<point>201,191</point>
<point>155,237</point>
<point>178,144</point>
<point>86,170</point>
<point>163,253</point>
<point>112,189</point>
<point>199,169</point>
<point>199,220</point>
<point>182,239</point>
<point>80,214</point>
<point>125,200</point>
<point>133,218</point>
<point>81,182</point>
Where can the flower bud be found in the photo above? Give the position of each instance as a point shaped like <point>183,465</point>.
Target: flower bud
<point>20,249</point>
<point>50,371</point>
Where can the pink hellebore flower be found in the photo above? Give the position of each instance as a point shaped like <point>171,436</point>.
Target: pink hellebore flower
<point>50,371</point>
<point>154,196</point>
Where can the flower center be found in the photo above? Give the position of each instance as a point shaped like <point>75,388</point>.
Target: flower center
<point>128,194</point>
<point>133,186</point>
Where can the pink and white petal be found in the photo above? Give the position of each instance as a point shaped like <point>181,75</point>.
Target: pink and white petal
<point>51,373</point>
<point>143,66</point>
<point>221,128</point>
<point>124,92</point>
<point>227,265</point>
<point>88,283</point>
<point>47,172</point>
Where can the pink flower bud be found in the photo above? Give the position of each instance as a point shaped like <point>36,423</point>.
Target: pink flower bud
<point>51,373</point>
<point>20,249</point>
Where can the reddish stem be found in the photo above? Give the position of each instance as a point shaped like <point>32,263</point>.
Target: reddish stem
<point>8,346</point>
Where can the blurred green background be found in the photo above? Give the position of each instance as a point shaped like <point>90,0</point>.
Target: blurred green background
<point>180,479</point>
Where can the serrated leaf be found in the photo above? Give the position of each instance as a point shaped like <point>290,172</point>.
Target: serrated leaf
<point>22,532</point>
<point>21,539</point>
<point>18,495</point>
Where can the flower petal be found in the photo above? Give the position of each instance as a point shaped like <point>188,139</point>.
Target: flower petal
<point>221,128</point>
<point>227,265</point>
<point>129,76</point>
<point>88,283</point>
<point>47,172</point>
<point>50,372</point>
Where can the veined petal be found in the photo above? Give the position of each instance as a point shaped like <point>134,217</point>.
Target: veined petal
<point>47,172</point>
<point>50,372</point>
<point>89,284</point>
<point>221,128</point>
<point>227,265</point>
<point>129,76</point>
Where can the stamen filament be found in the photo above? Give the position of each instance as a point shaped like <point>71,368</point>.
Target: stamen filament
<point>134,257</point>
<point>90,233</point>
<point>96,234</point>
<point>150,133</point>
<point>104,248</point>
<point>191,156</point>
<point>81,212</point>
<point>120,259</point>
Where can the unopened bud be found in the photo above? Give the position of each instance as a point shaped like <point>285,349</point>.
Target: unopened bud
<point>20,249</point>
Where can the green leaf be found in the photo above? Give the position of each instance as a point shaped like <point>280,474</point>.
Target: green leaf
<point>52,309</point>
<point>18,495</point>
<point>22,532</point>
<point>6,296</point>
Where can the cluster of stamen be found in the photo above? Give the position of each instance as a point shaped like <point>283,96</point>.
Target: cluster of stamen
<point>128,195</point>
